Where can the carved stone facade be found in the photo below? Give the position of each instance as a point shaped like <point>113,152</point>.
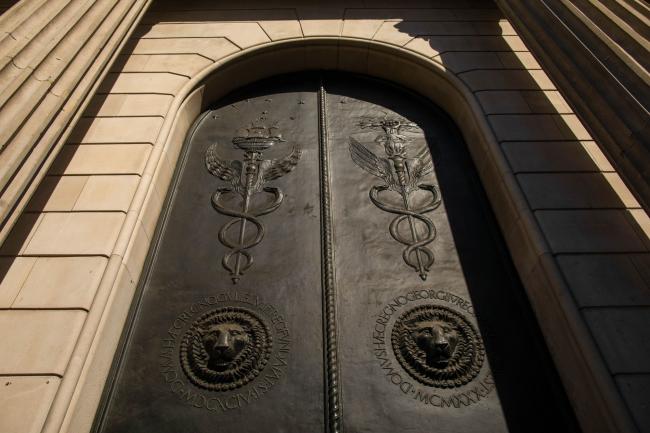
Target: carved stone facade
<point>97,98</point>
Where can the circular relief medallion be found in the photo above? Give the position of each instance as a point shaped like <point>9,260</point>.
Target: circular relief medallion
<point>225,348</point>
<point>437,346</point>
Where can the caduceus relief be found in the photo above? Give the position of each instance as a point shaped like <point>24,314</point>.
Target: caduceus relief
<point>247,178</point>
<point>401,174</point>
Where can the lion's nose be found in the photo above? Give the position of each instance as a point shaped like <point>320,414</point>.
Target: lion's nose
<point>223,340</point>
<point>441,342</point>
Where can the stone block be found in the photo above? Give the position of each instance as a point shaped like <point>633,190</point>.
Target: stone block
<point>422,10</point>
<point>321,20</point>
<point>242,34</point>
<point>101,159</point>
<point>486,12</point>
<point>516,101</point>
<point>534,127</point>
<point>38,342</point>
<point>61,282</point>
<point>142,82</point>
<point>181,64</point>
<point>25,402</point>
<point>507,79</point>
<point>547,101</point>
<point>600,280</point>
<point>501,27</point>
<point>549,156</point>
<point>572,123</point>
<point>422,46</point>
<point>136,251</point>
<point>622,334</point>
<point>202,11</point>
<point>446,28</point>
<point>360,28</point>
<point>397,32</point>
<point>210,48</point>
<point>445,44</point>
<point>57,193</point>
<point>622,191</point>
<point>518,60</point>
<point>589,231</point>
<point>514,44</point>
<point>107,193</point>
<point>639,219</point>
<point>503,101</point>
<point>597,156</point>
<point>116,130</point>
<point>21,233</point>
<point>634,388</point>
<point>13,273</point>
<point>461,62</point>
<point>400,32</point>
<point>128,105</point>
<point>78,233</point>
<point>575,190</point>
<point>281,27</point>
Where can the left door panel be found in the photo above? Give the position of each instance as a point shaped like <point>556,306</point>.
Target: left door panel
<point>227,335</point>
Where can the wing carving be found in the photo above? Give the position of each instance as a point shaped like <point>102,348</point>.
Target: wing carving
<point>370,162</point>
<point>422,166</point>
<point>277,168</point>
<point>227,170</point>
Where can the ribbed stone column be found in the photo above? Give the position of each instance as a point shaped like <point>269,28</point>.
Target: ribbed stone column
<point>598,54</point>
<point>53,54</point>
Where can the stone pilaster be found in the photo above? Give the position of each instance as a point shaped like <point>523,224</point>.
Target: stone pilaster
<point>597,52</point>
<point>53,55</point>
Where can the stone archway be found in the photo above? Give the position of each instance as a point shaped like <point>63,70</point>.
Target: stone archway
<point>545,287</point>
<point>221,324</point>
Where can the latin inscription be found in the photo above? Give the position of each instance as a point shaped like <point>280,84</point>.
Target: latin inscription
<point>434,333</point>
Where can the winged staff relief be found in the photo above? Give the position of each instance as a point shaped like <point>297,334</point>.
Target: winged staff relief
<point>247,178</point>
<point>401,174</point>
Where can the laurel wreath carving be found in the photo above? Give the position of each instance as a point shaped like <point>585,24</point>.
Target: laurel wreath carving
<point>463,366</point>
<point>248,363</point>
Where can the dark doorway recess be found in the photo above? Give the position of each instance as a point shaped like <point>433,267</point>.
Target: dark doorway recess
<point>326,260</point>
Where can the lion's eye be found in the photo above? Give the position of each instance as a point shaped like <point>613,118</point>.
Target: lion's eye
<point>235,332</point>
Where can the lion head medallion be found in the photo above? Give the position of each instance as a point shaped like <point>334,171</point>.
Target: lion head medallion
<point>225,348</point>
<point>437,346</point>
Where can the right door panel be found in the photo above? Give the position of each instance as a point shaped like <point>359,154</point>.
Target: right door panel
<point>434,333</point>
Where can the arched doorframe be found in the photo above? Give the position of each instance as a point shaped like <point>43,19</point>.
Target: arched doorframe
<point>588,384</point>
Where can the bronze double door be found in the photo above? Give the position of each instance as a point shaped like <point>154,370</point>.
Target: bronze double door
<point>326,261</point>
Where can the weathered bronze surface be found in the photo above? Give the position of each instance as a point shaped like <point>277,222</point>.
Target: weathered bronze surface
<point>326,261</point>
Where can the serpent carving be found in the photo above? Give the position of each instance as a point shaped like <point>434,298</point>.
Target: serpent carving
<point>402,175</point>
<point>247,178</point>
